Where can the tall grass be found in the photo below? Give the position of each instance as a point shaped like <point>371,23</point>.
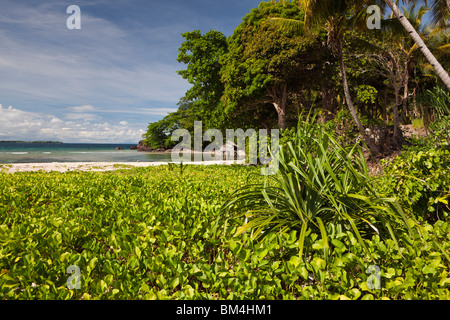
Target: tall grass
<point>439,99</point>
<point>320,188</point>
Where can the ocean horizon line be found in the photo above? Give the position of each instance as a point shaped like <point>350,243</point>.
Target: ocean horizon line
<point>61,142</point>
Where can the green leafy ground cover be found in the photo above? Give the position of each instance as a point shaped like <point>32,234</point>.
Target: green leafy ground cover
<point>151,233</point>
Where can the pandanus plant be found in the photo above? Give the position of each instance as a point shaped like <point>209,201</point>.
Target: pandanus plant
<point>320,187</point>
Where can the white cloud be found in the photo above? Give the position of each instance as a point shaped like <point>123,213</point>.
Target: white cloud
<point>16,124</point>
<point>82,116</point>
<point>84,108</point>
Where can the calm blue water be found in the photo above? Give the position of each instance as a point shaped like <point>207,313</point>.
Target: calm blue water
<point>74,152</point>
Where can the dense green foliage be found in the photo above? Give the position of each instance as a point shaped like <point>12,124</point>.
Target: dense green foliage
<point>265,63</point>
<point>246,80</point>
<point>202,56</point>
<point>159,133</point>
<point>132,233</point>
<point>322,187</point>
<point>149,233</point>
<point>287,57</point>
<point>322,227</point>
<point>439,100</point>
<point>201,53</point>
<point>421,180</point>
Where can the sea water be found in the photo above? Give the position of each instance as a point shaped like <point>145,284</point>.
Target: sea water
<point>75,152</point>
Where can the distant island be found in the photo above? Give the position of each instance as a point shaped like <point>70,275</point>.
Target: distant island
<point>58,142</point>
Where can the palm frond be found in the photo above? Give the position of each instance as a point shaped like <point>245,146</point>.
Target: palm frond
<point>288,25</point>
<point>440,14</point>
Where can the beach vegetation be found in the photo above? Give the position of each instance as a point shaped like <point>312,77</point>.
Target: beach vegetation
<point>289,57</point>
<point>355,210</point>
<point>151,233</point>
<point>319,187</point>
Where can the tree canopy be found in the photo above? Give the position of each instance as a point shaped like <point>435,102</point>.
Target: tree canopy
<point>287,57</point>
<point>265,63</point>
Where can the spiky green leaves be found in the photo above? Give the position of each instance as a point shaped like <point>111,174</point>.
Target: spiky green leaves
<point>320,187</point>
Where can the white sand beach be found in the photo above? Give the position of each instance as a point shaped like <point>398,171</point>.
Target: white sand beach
<point>93,166</point>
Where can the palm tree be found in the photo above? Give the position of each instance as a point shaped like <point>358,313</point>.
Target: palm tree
<point>420,43</point>
<point>440,43</point>
<point>439,12</point>
<point>334,16</point>
<point>429,33</point>
<point>401,51</point>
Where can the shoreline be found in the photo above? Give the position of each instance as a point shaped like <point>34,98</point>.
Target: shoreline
<point>96,166</point>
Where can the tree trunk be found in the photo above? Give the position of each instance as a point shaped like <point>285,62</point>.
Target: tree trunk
<point>372,146</point>
<point>396,116</point>
<point>418,40</point>
<point>405,96</point>
<point>279,97</point>
<point>282,119</point>
<point>384,105</point>
<point>415,110</point>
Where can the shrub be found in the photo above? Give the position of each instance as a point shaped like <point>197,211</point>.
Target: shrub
<point>321,188</point>
<point>421,181</point>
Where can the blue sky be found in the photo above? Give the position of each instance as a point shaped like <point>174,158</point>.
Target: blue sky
<point>106,81</point>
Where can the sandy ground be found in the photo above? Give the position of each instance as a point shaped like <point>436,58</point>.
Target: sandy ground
<point>91,166</point>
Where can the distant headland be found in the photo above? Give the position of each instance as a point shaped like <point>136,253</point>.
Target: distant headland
<point>58,142</point>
